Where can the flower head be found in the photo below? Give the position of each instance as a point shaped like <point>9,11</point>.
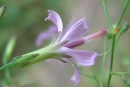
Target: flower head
<point>71,39</point>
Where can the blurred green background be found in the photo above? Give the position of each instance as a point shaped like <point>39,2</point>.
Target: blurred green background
<point>25,20</point>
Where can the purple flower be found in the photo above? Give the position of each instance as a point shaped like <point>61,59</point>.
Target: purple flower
<point>72,38</point>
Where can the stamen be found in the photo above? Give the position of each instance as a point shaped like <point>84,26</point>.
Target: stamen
<point>102,33</point>
<point>75,43</point>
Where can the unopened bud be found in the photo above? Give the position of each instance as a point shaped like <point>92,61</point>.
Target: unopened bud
<point>126,26</point>
<point>2,10</point>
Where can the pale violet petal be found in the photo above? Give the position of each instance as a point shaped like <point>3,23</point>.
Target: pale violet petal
<point>77,30</point>
<point>84,58</point>
<point>41,37</point>
<point>55,18</point>
<point>76,76</point>
<point>46,35</point>
<point>52,29</point>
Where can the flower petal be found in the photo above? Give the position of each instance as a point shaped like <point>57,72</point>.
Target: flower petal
<point>46,35</point>
<point>55,18</point>
<point>77,30</point>
<point>76,77</point>
<point>42,36</point>
<point>84,58</point>
<point>53,29</point>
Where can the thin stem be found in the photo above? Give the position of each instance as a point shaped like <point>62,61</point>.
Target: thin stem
<point>92,77</point>
<point>125,81</point>
<point>87,75</point>
<point>103,62</point>
<point>111,62</point>
<point>83,73</point>
<point>104,56</point>
<point>114,37</point>
<point>120,73</point>
<point>123,12</point>
<point>123,29</point>
<point>107,15</point>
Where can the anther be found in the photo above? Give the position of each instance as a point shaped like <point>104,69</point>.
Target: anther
<point>103,33</point>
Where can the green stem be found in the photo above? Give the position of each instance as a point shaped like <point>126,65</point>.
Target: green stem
<point>83,73</point>
<point>120,73</point>
<point>125,81</point>
<point>113,39</point>
<point>92,77</point>
<point>103,62</point>
<point>123,12</point>
<point>111,62</point>
<point>104,56</point>
<point>123,29</point>
<point>87,75</point>
<point>107,15</point>
<point>113,44</point>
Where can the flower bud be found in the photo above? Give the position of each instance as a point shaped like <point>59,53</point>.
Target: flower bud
<point>2,10</point>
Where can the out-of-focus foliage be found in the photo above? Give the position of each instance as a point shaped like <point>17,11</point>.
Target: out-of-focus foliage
<point>25,19</point>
